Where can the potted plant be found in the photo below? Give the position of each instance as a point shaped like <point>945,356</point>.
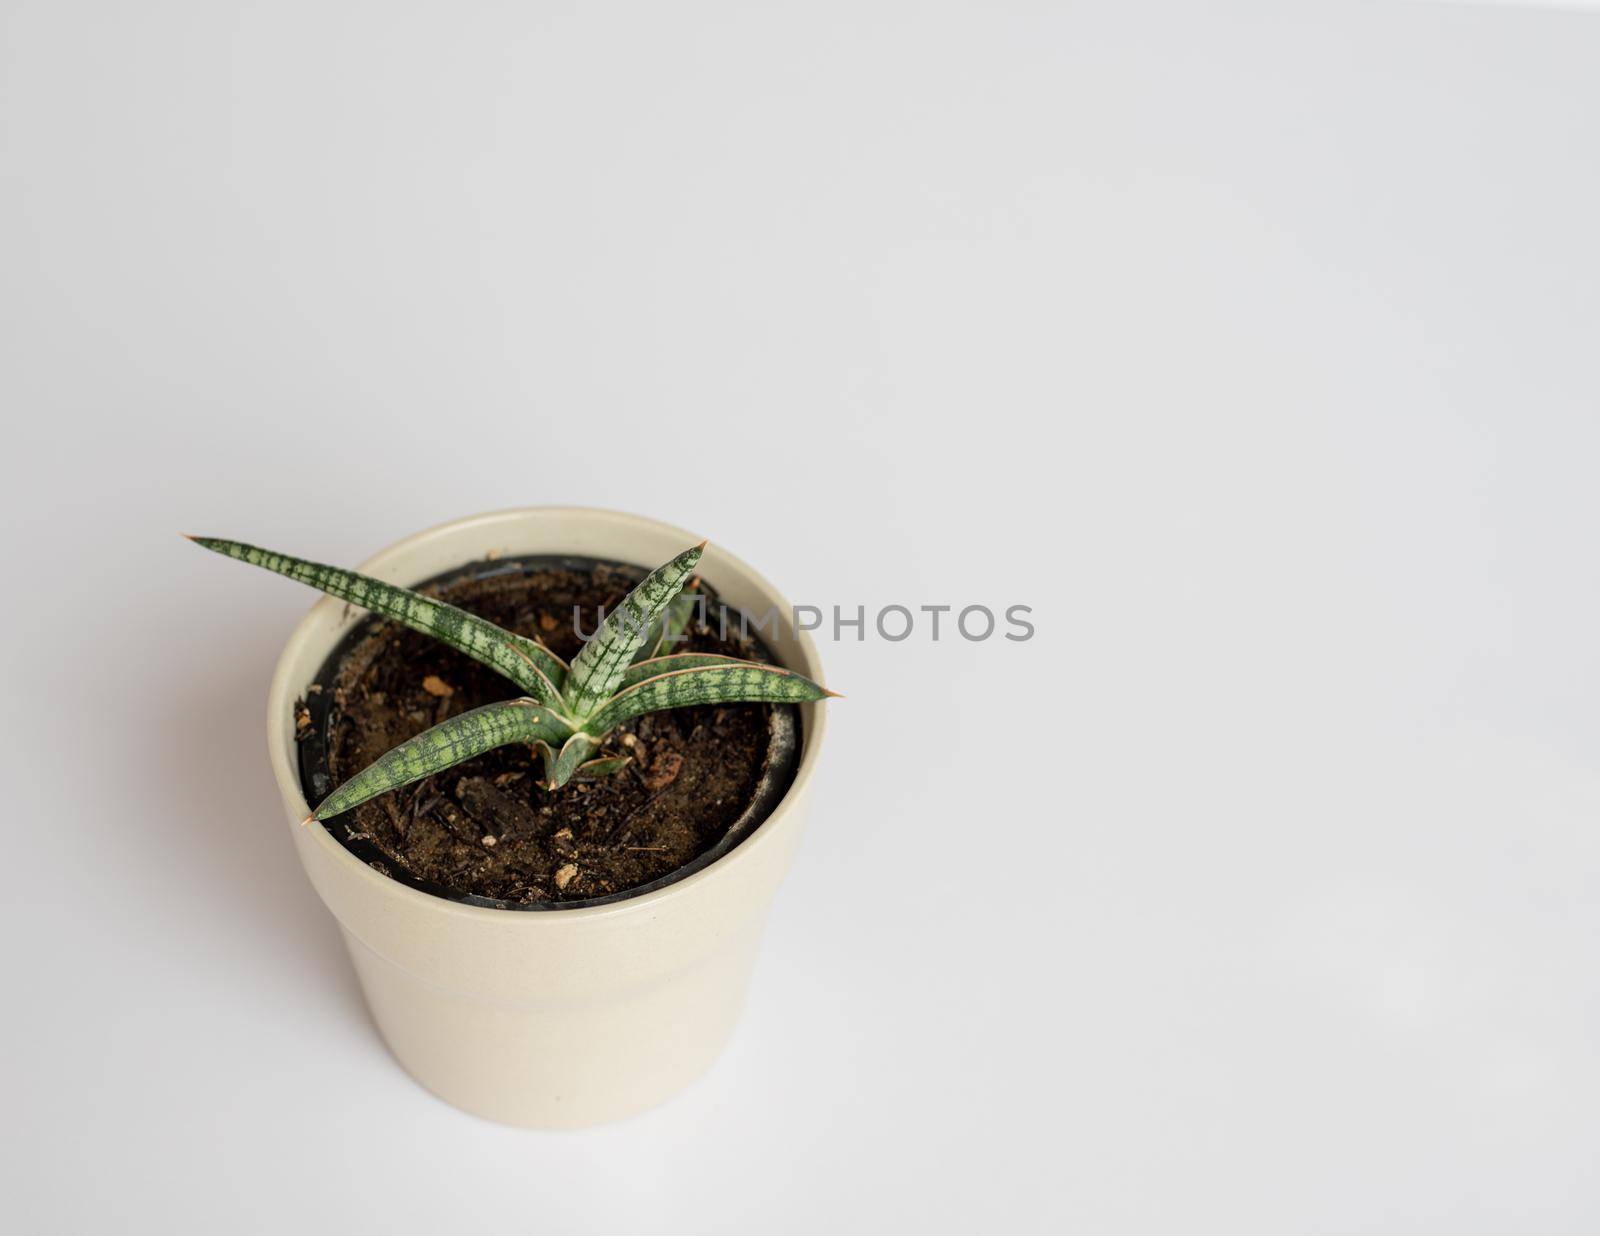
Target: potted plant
<point>550,849</point>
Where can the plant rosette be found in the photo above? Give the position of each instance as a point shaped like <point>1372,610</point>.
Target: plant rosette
<point>572,1015</point>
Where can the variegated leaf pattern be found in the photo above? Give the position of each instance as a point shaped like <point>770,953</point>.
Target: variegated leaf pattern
<point>547,757</point>
<point>599,667</point>
<point>593,770</point>
<point>684,608</point>
<point>445,745</point>
<point>577,750</point>
<point>640,670</point>
<point>666,633</point>
<point>534,668</point>
<point>740,682</point>
<point>572,709</point>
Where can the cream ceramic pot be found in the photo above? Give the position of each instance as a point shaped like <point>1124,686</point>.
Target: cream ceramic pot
<point>551,1018</point>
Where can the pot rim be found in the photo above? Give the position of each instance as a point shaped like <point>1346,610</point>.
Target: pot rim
<point>282,692</point>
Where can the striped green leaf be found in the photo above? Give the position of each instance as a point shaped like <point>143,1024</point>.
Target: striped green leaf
<point>534,668</point>
<point>640,670</point>
<point>593,770</point>
<point>547,757</point>
<point>598,669</point>
<point>740,682</point>
<point>577,750</point>
<point>445,745</point>
<point>677,618</point>
<point>667,631</point>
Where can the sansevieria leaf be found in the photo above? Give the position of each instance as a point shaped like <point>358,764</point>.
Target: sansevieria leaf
<point>578,749</point>
<point>655,666</point>
<point>626,670</point>
<point>445,745</point>
<point>594,770</point>
<point>599,667</point>
<point>739,682</point>
<point>666,632</point>
<point>534,668</point>
<point>675,622</point>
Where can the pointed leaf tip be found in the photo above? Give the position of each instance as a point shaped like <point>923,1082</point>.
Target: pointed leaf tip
<point>451,742</point>
<point>309,819</point>
<point>466,633</point>
<point>714,681</point>
<point>600,665</point>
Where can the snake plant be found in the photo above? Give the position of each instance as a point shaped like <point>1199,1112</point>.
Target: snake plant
<point>565,711</point>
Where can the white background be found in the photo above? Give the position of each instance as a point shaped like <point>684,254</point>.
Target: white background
<point>1255,348</point>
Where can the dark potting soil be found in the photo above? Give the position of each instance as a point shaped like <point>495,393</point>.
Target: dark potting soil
<point>486,830</point>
